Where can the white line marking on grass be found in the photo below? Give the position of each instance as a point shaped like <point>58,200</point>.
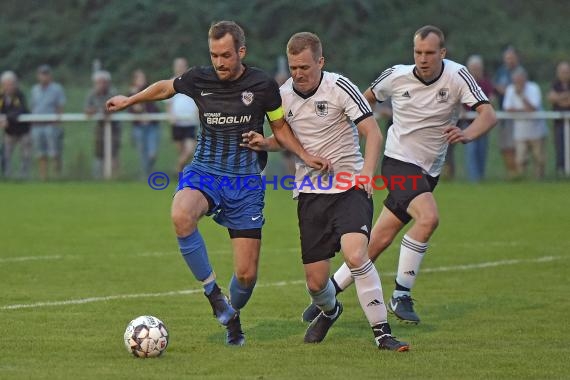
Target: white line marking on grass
<point>81,301</point>
<point>488,264</point>
<point>28,258</point>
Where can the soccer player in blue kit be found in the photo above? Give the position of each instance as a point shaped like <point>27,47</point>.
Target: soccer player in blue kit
<point>232,99</point>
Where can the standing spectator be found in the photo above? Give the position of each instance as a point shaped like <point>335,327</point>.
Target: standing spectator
<point>145,132</point>
<point>559,96</point>
<point>95,104</point>
<point>476,150</point>
<point>12,105</point>
<point>184,129</point>
<point>47,97</point>
<point>525,96</point>
<point>501,80</point>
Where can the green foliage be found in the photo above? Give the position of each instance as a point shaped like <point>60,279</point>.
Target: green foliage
<point>360,37</point>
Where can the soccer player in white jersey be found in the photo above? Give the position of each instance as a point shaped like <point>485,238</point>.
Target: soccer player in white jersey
<point>423,96</point>
<point>327,112</point>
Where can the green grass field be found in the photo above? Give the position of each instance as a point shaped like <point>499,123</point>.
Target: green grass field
<point>78,261</point>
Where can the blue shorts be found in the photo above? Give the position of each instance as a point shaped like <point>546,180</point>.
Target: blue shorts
<point>235,202</point>
<point>45,140</point>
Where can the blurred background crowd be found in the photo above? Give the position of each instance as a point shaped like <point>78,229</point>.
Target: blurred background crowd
<point>109,47</point>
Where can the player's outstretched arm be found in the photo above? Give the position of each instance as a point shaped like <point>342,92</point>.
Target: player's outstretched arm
<point>478,127</point>
<point>160,90</point>
<point>368,128</point>
<point>286,138</point>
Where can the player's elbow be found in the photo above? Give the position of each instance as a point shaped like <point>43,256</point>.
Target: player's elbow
<point>489,116</point>
<point>492,119</point>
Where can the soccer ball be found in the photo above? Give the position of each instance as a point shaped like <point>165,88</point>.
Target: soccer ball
<point>146,337</point>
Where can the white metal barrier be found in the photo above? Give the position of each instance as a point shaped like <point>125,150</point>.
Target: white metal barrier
<point>107,141</point>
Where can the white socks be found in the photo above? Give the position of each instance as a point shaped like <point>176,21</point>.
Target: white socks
<point>411,256</point>
<point>369,290</point>
<point>343,277</point>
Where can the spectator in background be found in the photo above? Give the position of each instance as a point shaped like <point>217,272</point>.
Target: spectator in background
<point>146,133</point>
<point>184,129</point>
<point>530,134</point>
<point>559,97</point>
<point>47,97</point>
<point>95,104</point>
<point>476,150</point>
<point>501,80</point>
<point>12,105</point>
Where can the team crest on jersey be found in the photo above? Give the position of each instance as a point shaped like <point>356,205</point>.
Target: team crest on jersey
<point>321,108</point>
<point>442,95</point>
<point>247,97</point>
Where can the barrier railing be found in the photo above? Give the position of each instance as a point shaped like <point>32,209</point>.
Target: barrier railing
<point>107,140</point>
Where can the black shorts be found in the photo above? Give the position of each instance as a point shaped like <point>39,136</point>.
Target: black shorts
<point>404,182</point>
<point>183,133</point>
<point>324,218</point>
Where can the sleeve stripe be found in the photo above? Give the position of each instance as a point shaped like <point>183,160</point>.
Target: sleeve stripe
<point>363,117</point>
<point>382,76</point>
<point>474,107</point>
<point>357,96</point>
<point>472,84</point>
<point>354,95</point>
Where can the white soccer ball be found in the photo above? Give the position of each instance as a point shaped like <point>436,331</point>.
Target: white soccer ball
<point>146,337</point>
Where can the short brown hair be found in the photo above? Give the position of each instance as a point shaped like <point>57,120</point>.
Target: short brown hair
<point>425,30</point>
<point>219,29</point>
<point>305,40</point>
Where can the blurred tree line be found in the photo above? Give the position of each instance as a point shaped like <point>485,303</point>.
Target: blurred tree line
<point>360,37</point>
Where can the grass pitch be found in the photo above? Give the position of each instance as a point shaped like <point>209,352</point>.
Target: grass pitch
<point>78,261</point>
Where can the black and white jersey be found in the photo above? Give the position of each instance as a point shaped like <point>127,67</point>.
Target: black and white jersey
<point>422,110</point>
<point>325,121</point>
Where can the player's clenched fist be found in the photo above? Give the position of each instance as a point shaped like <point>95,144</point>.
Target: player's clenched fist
<point>117,103</point>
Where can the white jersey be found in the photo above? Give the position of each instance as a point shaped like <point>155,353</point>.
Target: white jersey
<point>184,106</point>
<point>422,110</point>
<point>325,121</point>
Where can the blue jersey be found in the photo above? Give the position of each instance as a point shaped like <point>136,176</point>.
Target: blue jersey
<point>228,109</point>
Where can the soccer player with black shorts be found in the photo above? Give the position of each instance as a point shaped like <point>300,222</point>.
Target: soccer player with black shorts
<point>424,97</point>
<point>232,98</point>
<point>327,112</point>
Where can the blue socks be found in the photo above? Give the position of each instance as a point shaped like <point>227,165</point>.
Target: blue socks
<point>239,295</point>
<point>194,252</point>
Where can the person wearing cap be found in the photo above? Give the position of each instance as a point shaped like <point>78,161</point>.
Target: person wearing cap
<point>47,97</point>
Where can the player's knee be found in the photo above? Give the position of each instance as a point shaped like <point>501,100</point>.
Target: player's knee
<point>184,224</point>
<point>355,260</point>
<point>429,221</point>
